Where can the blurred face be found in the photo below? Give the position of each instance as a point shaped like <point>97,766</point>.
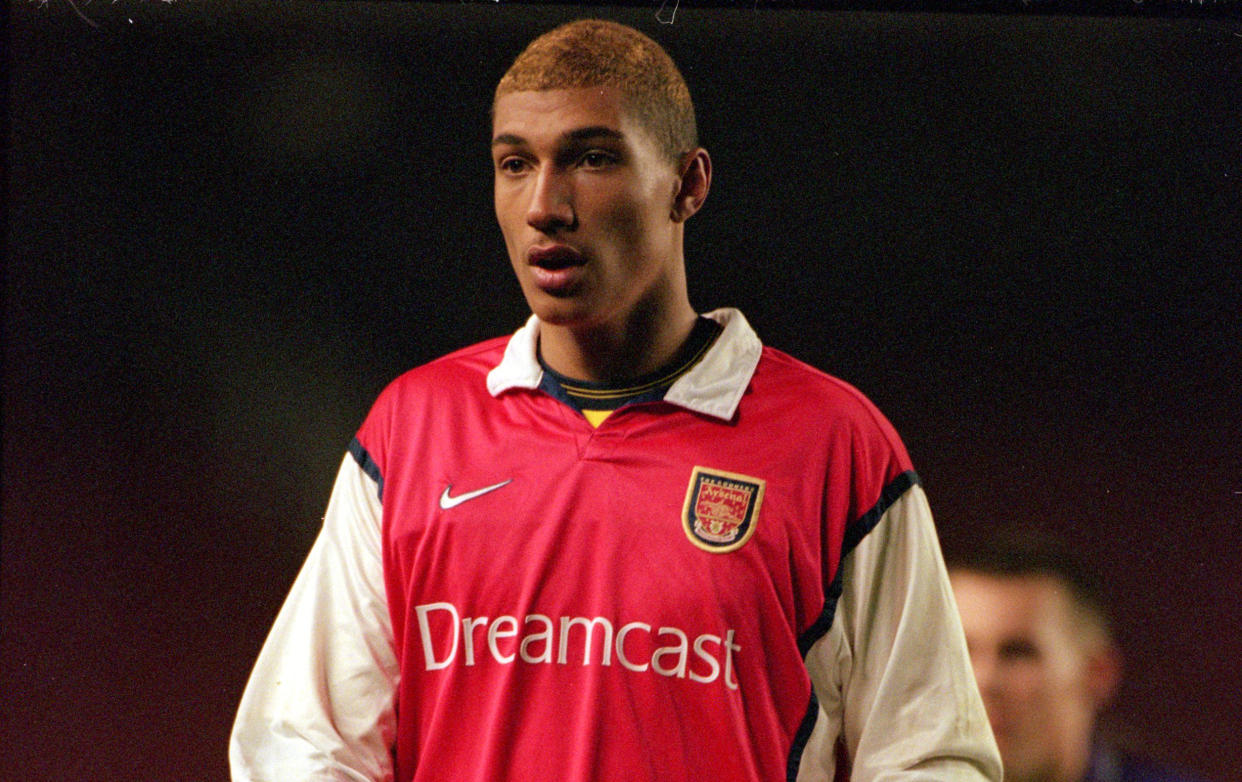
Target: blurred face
<point>1041,680</point>
<point>585,201</point>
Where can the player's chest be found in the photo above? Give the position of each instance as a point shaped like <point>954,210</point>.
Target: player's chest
<point>657,514</point>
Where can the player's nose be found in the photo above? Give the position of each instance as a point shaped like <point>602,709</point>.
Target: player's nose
<point>551,202</point>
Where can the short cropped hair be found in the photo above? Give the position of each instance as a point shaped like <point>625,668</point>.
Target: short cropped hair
<point>1015,551</point>
<point>598,53</point>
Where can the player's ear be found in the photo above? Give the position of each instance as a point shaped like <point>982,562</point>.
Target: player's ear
<point>1104,666</point>
<point>693,181</point>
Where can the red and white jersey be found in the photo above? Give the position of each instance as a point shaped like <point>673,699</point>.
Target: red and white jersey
<point>720,585</point>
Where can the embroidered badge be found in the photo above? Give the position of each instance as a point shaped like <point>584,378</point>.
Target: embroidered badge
<point>721,509</point>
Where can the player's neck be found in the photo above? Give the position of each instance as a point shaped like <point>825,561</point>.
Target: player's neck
<point>1069,766</point>
<point>642,343</point>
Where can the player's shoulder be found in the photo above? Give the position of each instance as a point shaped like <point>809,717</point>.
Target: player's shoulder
<point>779,371</point>
<point>1109,762</point>
<point>825,405</point>
<point>1139,769</point>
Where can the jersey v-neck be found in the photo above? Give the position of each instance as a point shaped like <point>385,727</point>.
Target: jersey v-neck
<point>598,400</point>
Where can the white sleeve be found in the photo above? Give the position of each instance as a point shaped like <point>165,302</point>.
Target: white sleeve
<point>892,675</point>
<point>319,705</point>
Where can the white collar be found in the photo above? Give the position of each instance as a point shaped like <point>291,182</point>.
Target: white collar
<point>714,386</point>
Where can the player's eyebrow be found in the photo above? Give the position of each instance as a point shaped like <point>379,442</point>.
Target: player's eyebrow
<point>578,134</point>
<point>508,139</point>
<point>595,131</point>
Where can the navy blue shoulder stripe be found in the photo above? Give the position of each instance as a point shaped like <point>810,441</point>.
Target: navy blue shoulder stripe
<point>853,536</point>
<point>368,465</point>
<point>866,522</point>
<point>801,738</point>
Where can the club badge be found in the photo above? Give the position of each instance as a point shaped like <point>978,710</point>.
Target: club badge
<point>721,509</point>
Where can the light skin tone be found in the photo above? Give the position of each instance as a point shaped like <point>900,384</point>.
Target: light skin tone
<point>593,214</point>
<point>1044,670</point>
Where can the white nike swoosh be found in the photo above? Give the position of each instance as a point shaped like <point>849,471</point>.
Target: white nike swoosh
<point>447,502</point>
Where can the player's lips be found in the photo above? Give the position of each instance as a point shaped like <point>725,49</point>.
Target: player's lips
<point>554,256</point>
<point>556,267</point>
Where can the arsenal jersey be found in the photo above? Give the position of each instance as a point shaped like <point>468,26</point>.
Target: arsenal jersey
<point>504,592</point>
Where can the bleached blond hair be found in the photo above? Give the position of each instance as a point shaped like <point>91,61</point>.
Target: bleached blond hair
<point>598,53</point>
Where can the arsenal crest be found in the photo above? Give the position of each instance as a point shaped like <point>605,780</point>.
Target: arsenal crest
<point>721,509</point>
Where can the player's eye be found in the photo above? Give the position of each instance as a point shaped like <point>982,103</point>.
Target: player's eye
<point>511,165</point>
<point>1019,650</point>
<point>597,159</point>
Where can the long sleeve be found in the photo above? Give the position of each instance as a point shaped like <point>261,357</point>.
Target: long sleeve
<point>319,705</point>
<point>892,676</point>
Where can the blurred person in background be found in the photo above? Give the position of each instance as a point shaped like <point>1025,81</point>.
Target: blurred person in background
<point>1045,658</point>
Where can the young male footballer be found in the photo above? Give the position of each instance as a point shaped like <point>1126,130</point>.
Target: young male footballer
<point>628,542</point>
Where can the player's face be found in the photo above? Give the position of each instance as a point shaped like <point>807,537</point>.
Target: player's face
<point>1033,669</point>
<point>584,199</point>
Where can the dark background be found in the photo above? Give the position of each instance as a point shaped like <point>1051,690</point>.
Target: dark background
<point>230,224</point>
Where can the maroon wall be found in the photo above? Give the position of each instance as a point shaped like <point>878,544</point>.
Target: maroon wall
<point>229,224</point>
